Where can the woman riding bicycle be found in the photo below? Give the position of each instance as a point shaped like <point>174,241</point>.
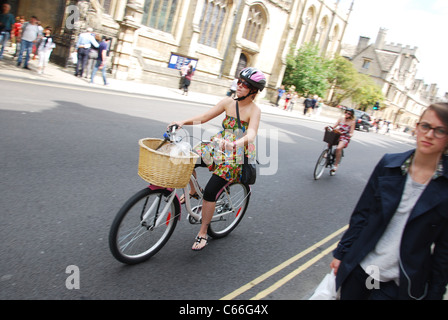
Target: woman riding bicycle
<point>227,166</point>
<point>345,126</point>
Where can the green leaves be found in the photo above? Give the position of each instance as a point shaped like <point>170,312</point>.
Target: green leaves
<point>313,74</point>
<point>308,71</point>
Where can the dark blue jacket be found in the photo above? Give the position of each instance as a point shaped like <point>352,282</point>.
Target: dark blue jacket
<point>424,243</point>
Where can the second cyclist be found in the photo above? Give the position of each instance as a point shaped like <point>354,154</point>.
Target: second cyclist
<point>346,127</point>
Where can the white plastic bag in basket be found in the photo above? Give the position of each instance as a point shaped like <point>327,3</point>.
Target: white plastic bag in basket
<point>180,149</point>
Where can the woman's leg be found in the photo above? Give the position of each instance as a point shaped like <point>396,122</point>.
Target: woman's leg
<point>208,208</point>
<point>104,75</point>
<point>95,69</point>
<point>192,189</point>
<point>339,148</point>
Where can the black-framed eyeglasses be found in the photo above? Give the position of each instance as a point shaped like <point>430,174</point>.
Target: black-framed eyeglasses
<point>244,83</point>
<point>439,132</point>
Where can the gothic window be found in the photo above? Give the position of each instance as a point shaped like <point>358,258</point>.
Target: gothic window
<point>309,21</point>
<point>160,14</point>
<point>242,63</point>
<point>212,22</point>
<point>106,6</point>
<point>255,24</point>
<point>322,32</point>
<point>109,6</point>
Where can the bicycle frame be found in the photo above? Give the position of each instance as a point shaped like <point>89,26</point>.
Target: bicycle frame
<point>186,190</point>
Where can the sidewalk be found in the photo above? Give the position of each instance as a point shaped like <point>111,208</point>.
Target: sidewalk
<point>56,74</point>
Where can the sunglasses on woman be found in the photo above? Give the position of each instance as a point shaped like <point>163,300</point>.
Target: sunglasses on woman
<point>244,83</point>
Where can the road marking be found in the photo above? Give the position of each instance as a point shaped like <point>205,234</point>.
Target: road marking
<point>295,273</point>
<point>283,265</point>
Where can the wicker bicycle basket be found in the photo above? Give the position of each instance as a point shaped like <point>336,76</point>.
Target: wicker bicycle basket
<point>331,137</point>
<point>161,169</point>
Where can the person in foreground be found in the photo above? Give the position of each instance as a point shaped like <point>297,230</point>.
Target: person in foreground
<point>396,246</point>
<point>227,166</point>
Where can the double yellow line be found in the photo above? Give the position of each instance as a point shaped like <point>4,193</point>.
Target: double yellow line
<point>280,267</point>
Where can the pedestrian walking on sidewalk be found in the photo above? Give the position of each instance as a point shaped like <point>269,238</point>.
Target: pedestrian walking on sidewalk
<point>92,58</point>
<point>16,32</point>
<point>101,60</point>
<point>307,104</point>
<point>7,21</point>
<point>280,92</point>
<point>233,87</point>
<point>396,246</point>
<point>85,41</point>
<point>183,72</point>
<point>188,78</point>
<point>46,46</point>
<point>30,34</point>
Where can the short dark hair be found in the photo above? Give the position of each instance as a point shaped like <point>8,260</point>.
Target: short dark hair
<point>441,110</point>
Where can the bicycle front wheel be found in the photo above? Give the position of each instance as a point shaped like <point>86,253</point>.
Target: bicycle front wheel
<point>135,235</point>
<point>229,210</point>
<point>321,164</point>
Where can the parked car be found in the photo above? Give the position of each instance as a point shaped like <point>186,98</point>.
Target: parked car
<point>363,121</point>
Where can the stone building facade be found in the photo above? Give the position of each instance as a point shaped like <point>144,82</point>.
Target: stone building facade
<point>394,67</point>
<point>151,38</point>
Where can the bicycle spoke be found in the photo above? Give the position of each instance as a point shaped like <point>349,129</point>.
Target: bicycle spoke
<point>230,209</point>
<point>135,235</point>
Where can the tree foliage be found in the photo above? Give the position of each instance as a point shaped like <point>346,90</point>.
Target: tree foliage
<point>313,74</point>
<point>366,92</point>
<point>307,71</point>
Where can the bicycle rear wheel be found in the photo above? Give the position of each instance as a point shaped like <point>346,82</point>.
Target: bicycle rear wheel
<point>321,164</point>
<point>132,240</point>
<point>230,209</point>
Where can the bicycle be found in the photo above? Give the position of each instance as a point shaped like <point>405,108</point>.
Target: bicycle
<point>147,220</point>
<point>328,156</point>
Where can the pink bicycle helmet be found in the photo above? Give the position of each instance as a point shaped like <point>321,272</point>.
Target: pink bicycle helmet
<point>255,77</point>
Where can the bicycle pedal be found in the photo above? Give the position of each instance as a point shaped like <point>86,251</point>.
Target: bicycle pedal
<point>193,220</point>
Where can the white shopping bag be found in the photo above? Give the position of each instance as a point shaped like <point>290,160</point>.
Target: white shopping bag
<point>74,57</point>
<point>326,290</point>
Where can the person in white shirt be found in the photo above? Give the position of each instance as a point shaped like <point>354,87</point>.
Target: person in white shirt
<point>30,33</point>
<point>85,41</point>
<point>46,46</point>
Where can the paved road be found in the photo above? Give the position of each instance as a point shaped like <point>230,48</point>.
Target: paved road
<point>69,161</point>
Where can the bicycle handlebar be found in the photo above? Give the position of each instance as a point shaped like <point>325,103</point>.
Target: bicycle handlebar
<point>171,132</point>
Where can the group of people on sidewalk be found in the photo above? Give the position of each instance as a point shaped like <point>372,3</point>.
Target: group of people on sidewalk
<point>312,104</point>
<point>28,37</point>
<point>91,54</point>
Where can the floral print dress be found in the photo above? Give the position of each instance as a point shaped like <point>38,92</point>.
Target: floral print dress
<point>345,131</point>
<point>226,165</point>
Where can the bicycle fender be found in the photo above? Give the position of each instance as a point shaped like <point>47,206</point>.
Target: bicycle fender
<point>177,204</point>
